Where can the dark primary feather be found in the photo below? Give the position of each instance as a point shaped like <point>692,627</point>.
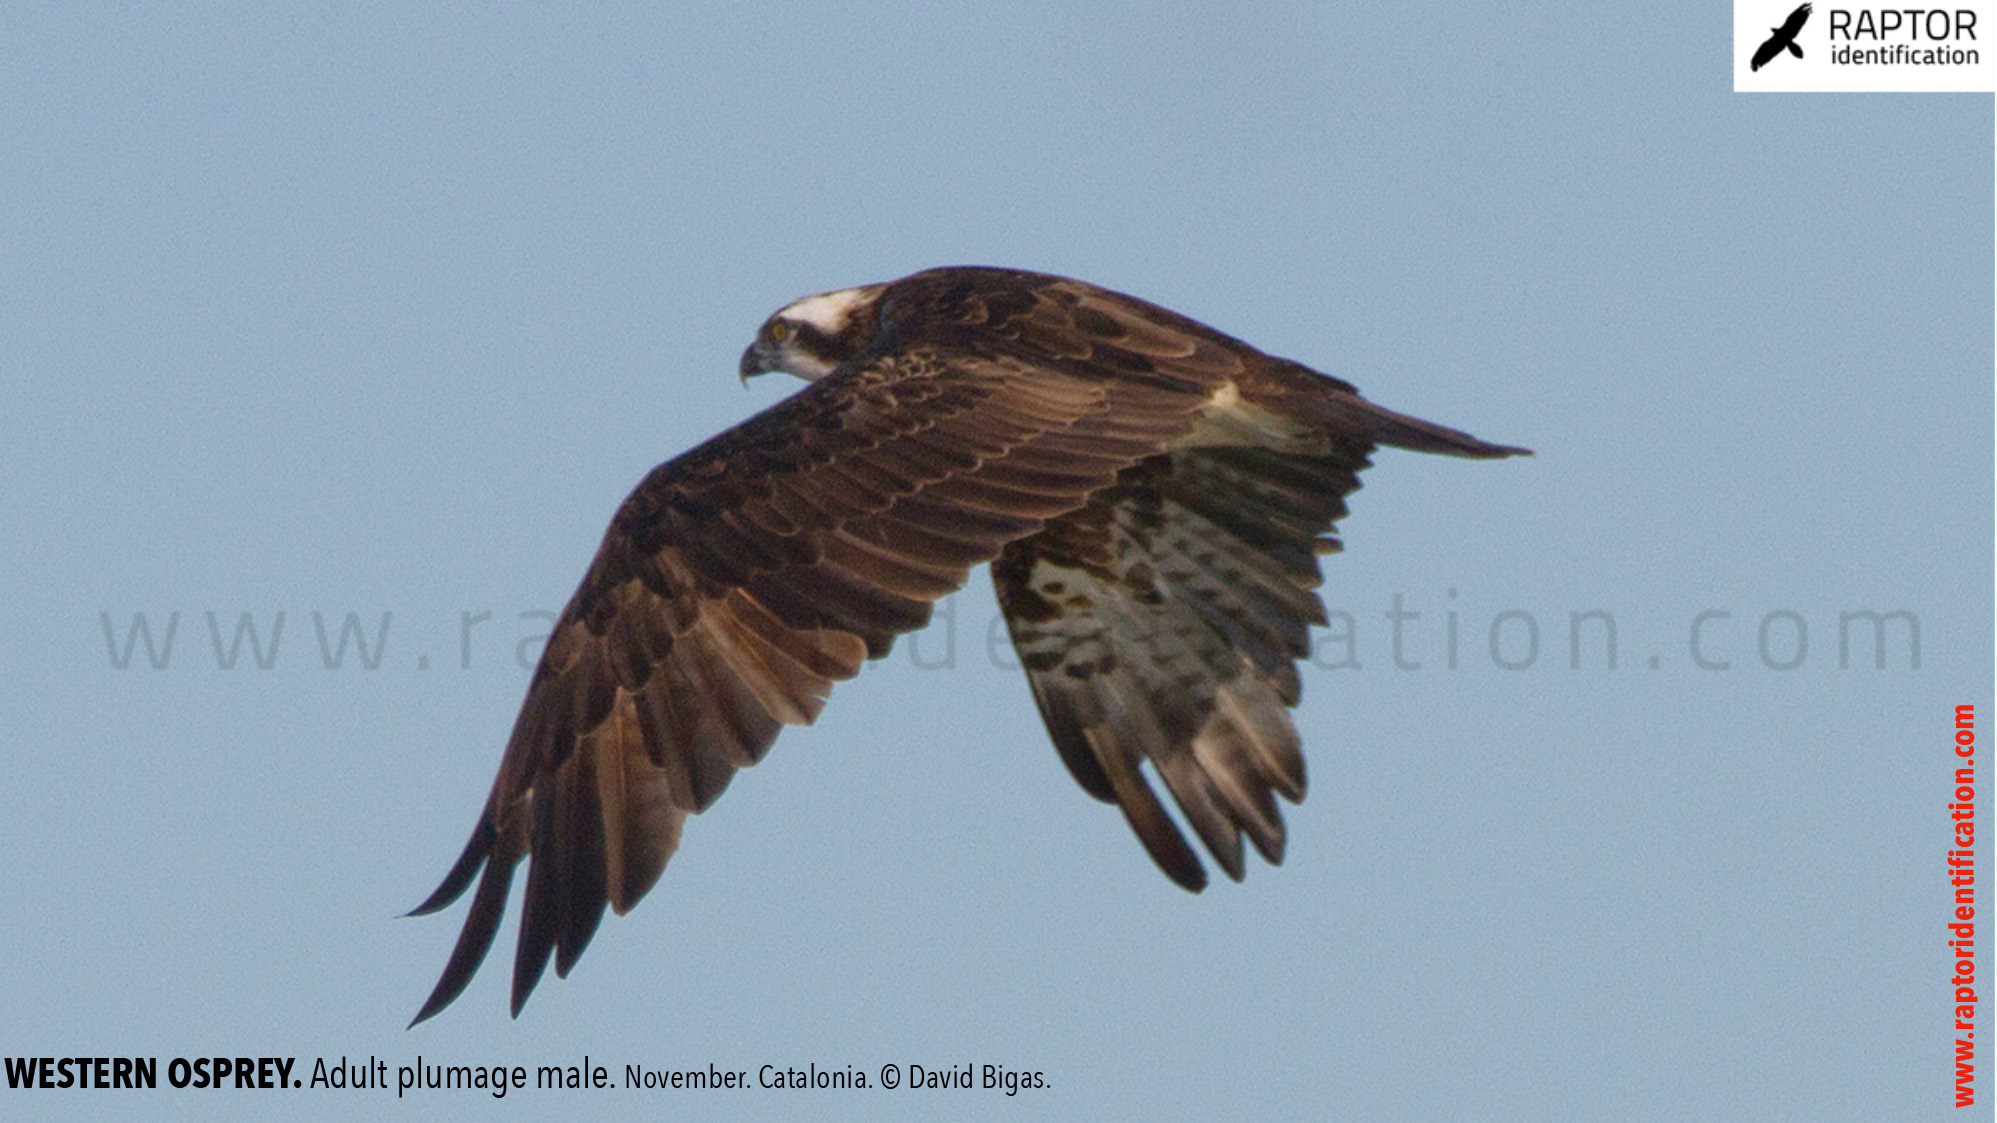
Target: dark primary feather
<point>1155,570</point>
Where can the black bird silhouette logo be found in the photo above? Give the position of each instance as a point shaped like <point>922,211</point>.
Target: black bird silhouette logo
<point>1783,39</point>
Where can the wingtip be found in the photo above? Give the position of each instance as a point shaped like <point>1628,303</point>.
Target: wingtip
<point>462,871</point>
<point>442,995</point>
<point>428,1011</point>
<point>474,939</point>
<point>528,968</point>
<point>1193,882</point>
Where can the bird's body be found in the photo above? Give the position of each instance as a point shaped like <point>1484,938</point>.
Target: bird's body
<point>1153,495</point>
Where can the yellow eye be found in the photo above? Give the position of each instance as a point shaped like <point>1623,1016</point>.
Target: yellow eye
<point>779,331</point>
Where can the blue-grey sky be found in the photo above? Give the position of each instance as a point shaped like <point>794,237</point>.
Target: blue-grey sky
<point>379,310</point>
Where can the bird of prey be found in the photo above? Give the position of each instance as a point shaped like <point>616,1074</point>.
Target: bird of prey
<point>1782,39</point>
<point>1153,496</point>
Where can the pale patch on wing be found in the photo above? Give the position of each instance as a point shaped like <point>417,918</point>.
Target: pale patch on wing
<point>1229,420</point>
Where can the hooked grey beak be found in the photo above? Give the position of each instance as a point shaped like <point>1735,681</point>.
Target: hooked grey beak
<point>754,362</point>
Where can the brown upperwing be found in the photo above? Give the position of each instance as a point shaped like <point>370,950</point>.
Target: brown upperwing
<point>740,580</point>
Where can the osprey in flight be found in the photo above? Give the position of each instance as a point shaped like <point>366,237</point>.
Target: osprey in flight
<point>1153,496</point>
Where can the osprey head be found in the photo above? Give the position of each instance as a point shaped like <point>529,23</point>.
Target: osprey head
<point>811,337</point>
